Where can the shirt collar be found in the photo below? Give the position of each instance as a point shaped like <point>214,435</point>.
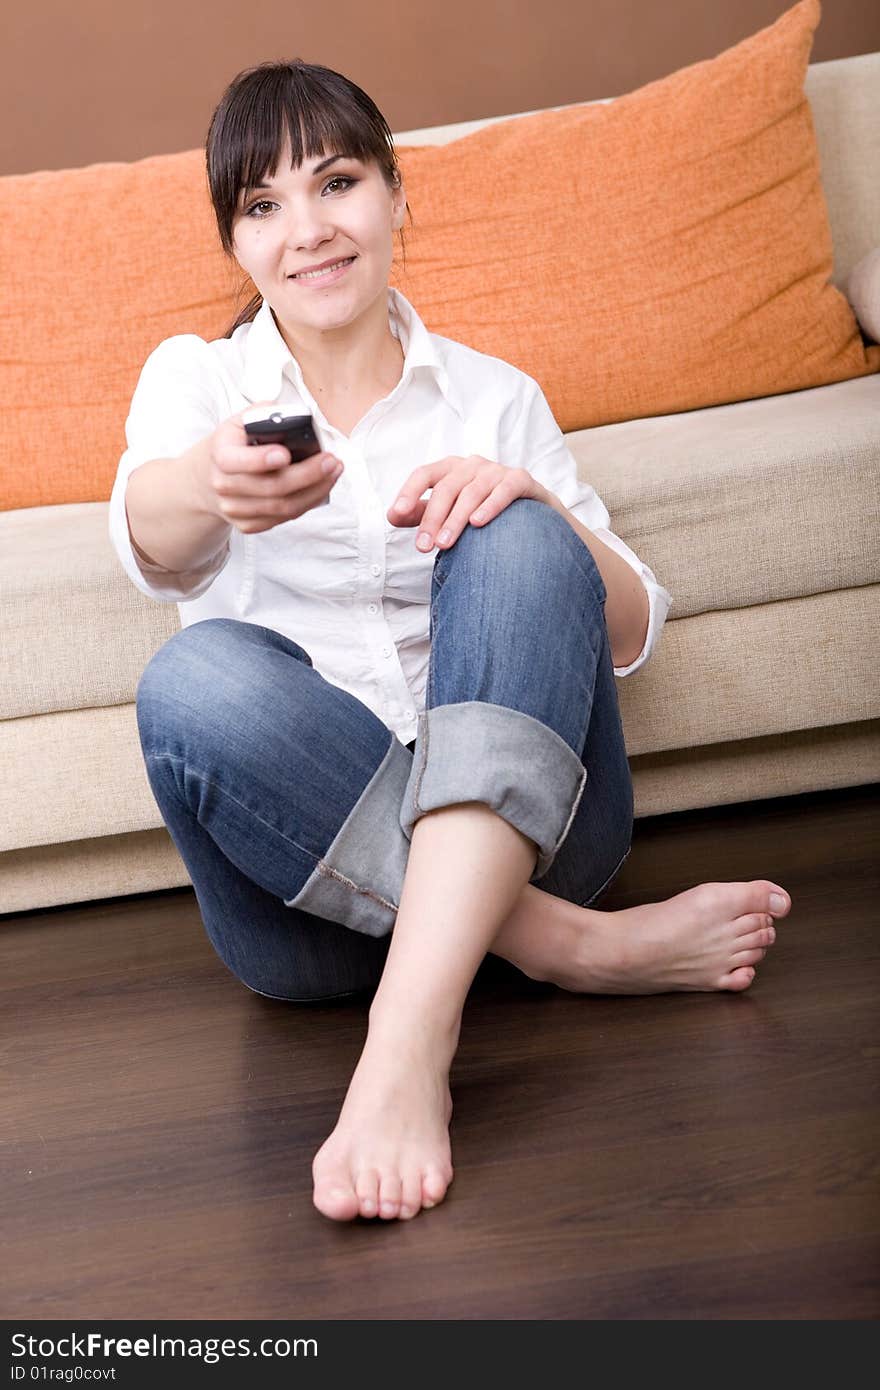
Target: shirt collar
<point>266,354</point>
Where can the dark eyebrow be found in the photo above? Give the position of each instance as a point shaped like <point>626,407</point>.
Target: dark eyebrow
<point>319,168</point>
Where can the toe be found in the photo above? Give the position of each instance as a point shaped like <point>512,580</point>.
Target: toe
<point>334,1196</point>
<point>776,900</point>
<point>434,1186</point>
<point>752,923</point>
<point>410,1194</point>
<point>747,957</point>
<point>739,979</point>
<point>367,1189</point>
<point>389,1195</point>
<point>763,933</point>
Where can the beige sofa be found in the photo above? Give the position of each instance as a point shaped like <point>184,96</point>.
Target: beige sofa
<point>760,517</point>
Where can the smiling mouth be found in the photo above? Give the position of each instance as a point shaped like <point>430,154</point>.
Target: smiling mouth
<point>323,274</point>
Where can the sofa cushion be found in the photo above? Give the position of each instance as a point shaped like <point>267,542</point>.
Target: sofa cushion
<point>844,96</point>
<point>747,504</point>
<point>733,506</point>
<point>863,292</point>
<point>666,251</point>
<point>723,677</point>
<point>81,633</point>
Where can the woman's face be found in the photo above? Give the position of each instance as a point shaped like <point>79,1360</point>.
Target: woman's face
<point>330,209</point>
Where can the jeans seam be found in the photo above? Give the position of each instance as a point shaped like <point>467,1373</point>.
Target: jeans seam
<point>306,999</point>
<point>423,754</point>
<point>589,568</point>
<point>328,871</point>
<point>575,804</point>
<point>612,875</point>
<point>173,758</point>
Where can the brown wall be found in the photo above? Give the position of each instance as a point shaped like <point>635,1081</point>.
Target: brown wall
<point>86,81</point>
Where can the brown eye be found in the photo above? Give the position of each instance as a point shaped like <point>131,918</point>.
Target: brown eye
<point>340,178</point>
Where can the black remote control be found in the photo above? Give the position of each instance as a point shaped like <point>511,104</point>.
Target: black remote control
<point>277,425</point>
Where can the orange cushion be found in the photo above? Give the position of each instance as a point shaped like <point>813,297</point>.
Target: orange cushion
<point>109,260</point>
<point>667,251</point>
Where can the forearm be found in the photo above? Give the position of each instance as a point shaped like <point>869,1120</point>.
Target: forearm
<point>169,520</point>
<point>626,608</point>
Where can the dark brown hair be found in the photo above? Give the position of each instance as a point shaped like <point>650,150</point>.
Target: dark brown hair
<point>316,108</point>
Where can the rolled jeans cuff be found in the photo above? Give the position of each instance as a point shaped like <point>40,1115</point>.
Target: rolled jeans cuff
<point>359,879</point>
<point>521,768</point>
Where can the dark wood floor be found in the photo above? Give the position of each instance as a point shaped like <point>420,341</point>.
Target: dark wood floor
<point>679,1156</point>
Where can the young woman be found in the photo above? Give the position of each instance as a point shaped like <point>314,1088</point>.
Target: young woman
<point>379,763</point>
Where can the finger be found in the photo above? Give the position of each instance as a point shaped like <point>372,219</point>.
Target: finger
<point>445,529</point>
<point>277,506</point>
<point>494,503</point>
<point>279,482</point>
<point>455,490</point>
<point>236,456</point>
<point>240,458</point>
<point>409,508</point>
<point>411,492</point>
<point>430,475</point>
<point>411,517</point>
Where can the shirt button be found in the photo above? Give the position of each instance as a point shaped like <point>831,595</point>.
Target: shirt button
<point>372,608</point>
<point>386,651</point>
<point>375,569</point>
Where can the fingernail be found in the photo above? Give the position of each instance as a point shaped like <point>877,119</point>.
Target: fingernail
<point>777,903</point>
<point>424,541</point>
<point>401,504</point>
<point>276,456</point>
<point>444,537</point>
<point>329,464</point>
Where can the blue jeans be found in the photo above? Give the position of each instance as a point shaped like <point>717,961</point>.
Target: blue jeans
<point>292,804</point>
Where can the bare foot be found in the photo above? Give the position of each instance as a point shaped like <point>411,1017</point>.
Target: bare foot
<point>389,1154</point>
<point>708,938</point>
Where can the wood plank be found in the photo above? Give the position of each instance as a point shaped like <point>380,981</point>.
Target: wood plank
<point>675,1156</point>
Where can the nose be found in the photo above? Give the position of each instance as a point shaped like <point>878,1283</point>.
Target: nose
<point>308,226</point>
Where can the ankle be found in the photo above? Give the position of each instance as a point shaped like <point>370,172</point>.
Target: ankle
<point>421,1034</point>
<point>541,932</point>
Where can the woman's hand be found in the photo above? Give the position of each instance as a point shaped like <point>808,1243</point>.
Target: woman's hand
<point>471,489</point>
<point>253,486</point>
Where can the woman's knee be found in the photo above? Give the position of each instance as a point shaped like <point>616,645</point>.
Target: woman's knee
<point>524,522</point>
<point>318,965</point>
<point>213,667</point>
<point>529,539</point>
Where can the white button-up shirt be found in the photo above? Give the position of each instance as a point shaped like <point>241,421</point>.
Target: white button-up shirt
<point>342,581</point>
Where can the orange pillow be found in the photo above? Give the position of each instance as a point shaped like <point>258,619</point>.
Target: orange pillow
<point>109,260</point>
<point>666,251</point>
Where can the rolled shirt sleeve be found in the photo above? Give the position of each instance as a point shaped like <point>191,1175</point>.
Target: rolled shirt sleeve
<point>535,442</point>
<point>172,409</point>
